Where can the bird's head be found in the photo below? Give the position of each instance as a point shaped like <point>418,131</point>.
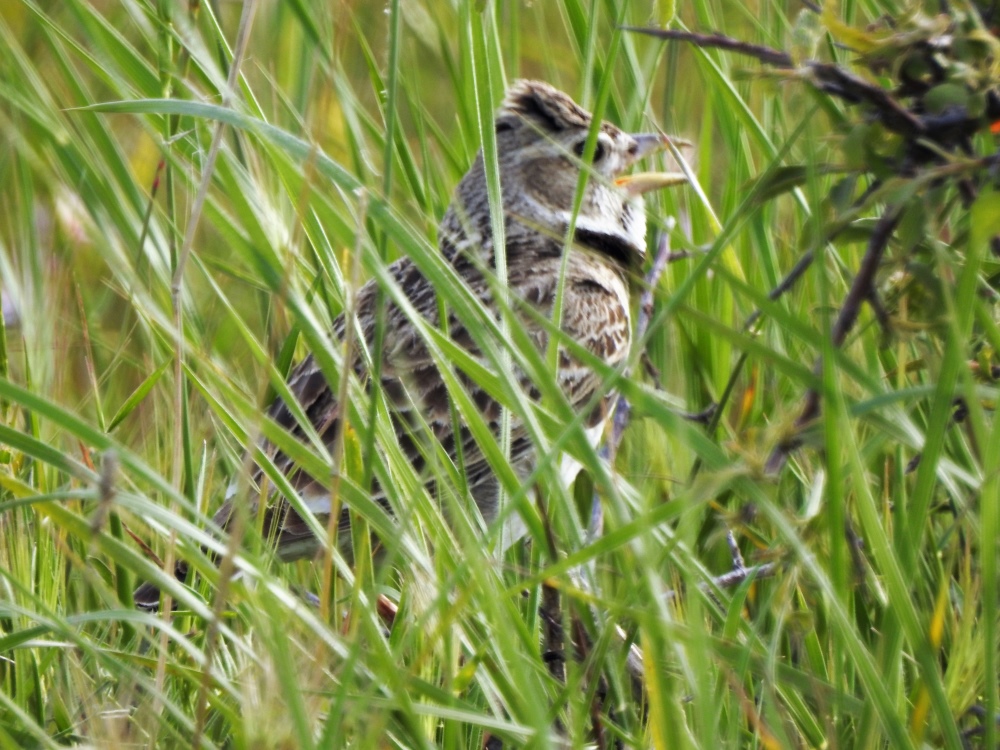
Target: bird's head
<point>541,136</point>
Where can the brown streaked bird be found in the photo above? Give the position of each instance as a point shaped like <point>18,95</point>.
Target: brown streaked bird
<point>541,135</point>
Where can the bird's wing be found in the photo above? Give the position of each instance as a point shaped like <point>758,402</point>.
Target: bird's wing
<point>593,315</point>
<point>411,382</point>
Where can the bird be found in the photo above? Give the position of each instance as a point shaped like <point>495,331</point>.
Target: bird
<point>541,140</point>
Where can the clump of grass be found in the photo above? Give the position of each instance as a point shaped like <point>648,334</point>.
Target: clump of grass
<point>127,400</point>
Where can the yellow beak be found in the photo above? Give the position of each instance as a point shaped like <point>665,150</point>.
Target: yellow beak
<point>644,182</point>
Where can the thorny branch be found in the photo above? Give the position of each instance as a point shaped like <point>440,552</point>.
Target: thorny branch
<point>760,52</point>
<point>928,135</point>
<point>833,79</point>
<point>862,290</point>
<point>735,577</point>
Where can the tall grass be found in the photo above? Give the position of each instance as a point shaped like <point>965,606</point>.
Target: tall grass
<point>130,392</point>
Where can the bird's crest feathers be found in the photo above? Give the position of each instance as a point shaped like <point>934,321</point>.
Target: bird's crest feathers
<point>544,105</point>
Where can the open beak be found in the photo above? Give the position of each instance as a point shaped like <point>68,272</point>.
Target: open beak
<point>644,182</point>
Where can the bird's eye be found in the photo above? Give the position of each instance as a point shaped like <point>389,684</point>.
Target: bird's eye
<point>579,148</point>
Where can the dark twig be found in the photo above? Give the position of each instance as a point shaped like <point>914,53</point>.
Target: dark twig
<point>856,546</point>
<point>827,77</point>
<point>680,255</point>
<point>734,550</point>
<point>714,413</point>
<point>958,417</point>
<point>705,416</point>
<point>551,612</point>
<point>833,79</point>
<point>803,263</point>
<point>731,579</point>
<point>660,261</point>
<point>140,265</point>
<point>979,712</point>
<point>881,315</point>
<point>862,289</point>
<point>783,286</point>
<point>767,55</point>
<point>582,648</point>
<point>927,133</point>
<point>651,369</point>
<point>551,607</point>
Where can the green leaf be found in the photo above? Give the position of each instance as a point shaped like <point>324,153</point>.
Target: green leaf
<point>946,96</point>
<point>137,396</point>
<point>785,179</point>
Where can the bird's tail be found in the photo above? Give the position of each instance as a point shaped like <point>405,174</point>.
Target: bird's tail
<point>147,595</point>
